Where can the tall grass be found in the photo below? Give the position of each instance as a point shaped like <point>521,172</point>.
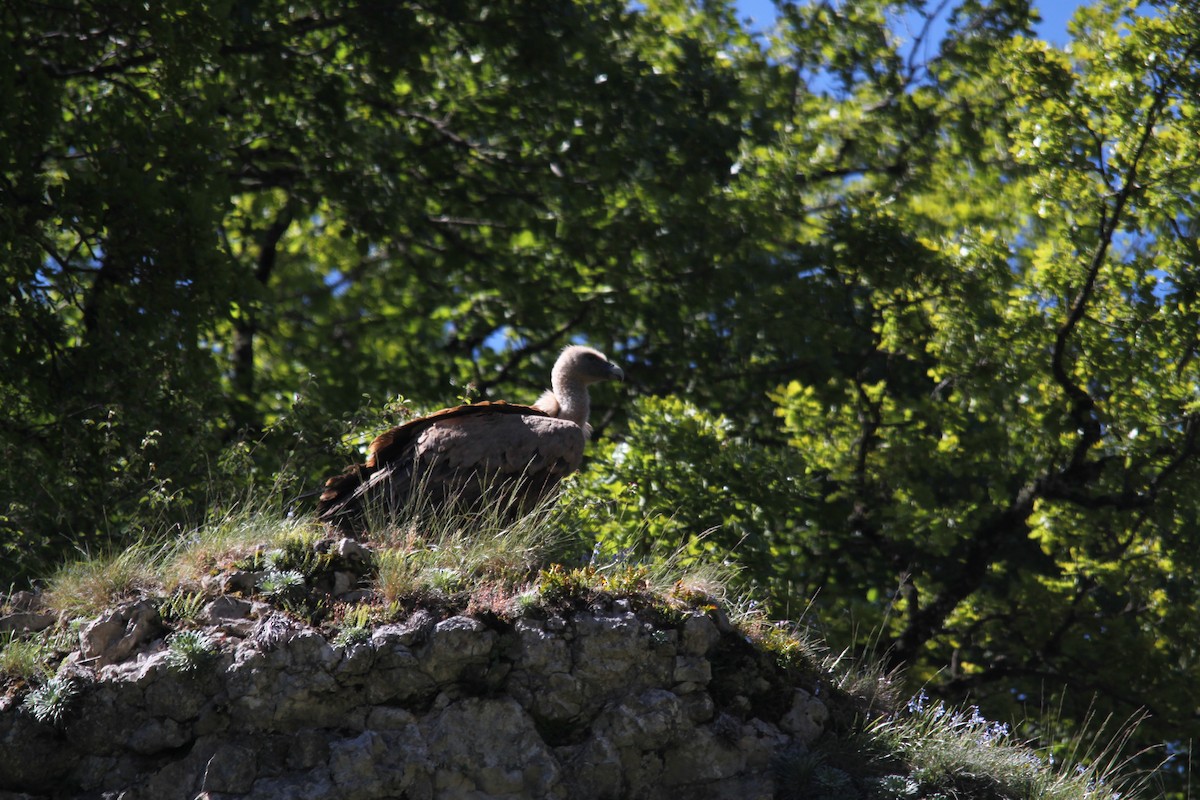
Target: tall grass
<point>427,547</point>
<point>93,582</point>
<point>430,546</point>
<point>238,534</point>
<point>25,659</point>
<point>165,564</point>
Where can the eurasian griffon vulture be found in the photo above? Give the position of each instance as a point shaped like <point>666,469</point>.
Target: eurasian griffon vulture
<point>455,454</point>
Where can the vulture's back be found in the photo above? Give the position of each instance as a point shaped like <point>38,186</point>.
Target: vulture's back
<point>455,456</point>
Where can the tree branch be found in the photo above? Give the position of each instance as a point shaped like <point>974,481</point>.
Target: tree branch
<point>1083,405</point>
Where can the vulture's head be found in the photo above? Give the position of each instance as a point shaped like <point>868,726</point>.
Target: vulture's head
<point>585,366</point>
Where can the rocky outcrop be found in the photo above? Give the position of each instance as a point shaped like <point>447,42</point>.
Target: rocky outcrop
<point>602,702</point>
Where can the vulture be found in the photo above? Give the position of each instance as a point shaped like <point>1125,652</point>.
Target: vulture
<point>454,455</point>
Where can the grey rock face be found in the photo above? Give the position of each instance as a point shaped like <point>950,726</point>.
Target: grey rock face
<point>593,705</point>
<point>114,636</point>
<point>807,717</point>
<point>25,621</point>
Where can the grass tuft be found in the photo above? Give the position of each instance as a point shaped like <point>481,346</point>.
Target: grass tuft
<point>238,536</point>
<point>26,659</point>
<point>432,550</point>
<point>956,752</point>
<point>90,585</point>
<point>176,567</point>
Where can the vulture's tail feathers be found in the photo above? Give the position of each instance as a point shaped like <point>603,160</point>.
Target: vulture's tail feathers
<point>339,503</point>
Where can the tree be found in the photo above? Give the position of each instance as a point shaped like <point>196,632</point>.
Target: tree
<point>1019,436</point>
<point>993,385</point>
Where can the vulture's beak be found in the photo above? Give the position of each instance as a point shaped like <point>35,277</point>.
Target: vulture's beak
<point>616,373</point>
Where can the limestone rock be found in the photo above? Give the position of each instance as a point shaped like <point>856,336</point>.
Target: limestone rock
<point>459,648</point>
<point>231,770</point>
<point>807,717</point>
<point>490,748</point>
<point>352,552</point>
<point>692,670</point>
<point>415,630</point>
<point>226,607</point>
<point>595,705</point>
<point>232,581</point>
<point>26,622</point>
<point>700,635</point>
<point>115,635</point>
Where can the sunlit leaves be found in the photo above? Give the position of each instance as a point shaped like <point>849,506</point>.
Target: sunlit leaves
<point>683,481</point>
<point>1007,405</point>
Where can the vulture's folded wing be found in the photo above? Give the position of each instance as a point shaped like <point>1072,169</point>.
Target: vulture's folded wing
<point>455,456</point>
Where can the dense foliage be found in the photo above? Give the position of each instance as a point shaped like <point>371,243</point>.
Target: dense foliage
<point>908,297</point>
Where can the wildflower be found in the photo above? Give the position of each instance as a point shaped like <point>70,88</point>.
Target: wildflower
<point>993,731</point>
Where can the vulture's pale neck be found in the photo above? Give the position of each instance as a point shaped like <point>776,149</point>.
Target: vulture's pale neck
<point>572,395</point>
<point>568,399</point>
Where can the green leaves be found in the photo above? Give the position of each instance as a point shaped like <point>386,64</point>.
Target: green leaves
<point>682,483</point>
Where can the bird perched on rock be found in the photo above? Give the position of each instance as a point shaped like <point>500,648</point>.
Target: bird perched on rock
<point>454,455</point>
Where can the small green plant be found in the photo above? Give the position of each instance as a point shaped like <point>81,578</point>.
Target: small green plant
<point>297,552</point>
<point>287,591</point>
<point>352,635</point>
<point>50,702</point>
<point>182,606</point>
<point>626,579</point>
<point>792,646</point>
<point>446,580</point>
<point>899,786</point>
<point>527,601</point>
<point>281,584</point>
<point>806,775</point>
<point>354,626</point>
<point>188,651</point>
<point>358,616</point>
<point>558,583</point>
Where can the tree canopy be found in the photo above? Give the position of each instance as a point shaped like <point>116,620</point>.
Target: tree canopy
<point>907,298</point>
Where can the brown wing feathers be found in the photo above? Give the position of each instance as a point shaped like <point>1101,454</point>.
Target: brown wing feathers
<point>389,443</point>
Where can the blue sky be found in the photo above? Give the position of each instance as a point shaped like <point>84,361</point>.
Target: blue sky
<point>1053,27</point>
